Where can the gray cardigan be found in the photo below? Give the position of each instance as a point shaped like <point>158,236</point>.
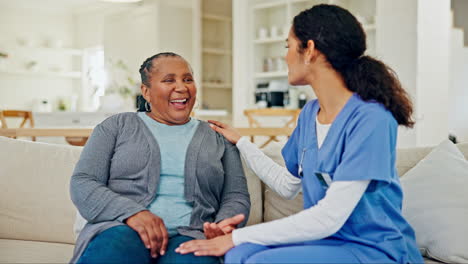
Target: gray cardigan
<point>118,175</point>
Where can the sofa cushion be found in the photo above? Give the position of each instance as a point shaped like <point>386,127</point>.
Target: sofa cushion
<point>407,158</point>
<point>275,206</point>
<point>256,201</point>
<point>19,251</point>
<point>34,198</point>
<point>431,261</point>
<point>436,203</point>
<point>463,147</point>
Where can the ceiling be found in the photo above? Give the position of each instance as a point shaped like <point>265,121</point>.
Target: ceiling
<point>58,5</point>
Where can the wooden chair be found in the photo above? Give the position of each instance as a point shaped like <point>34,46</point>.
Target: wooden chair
<point>253,122</point>
<point>26,115</point>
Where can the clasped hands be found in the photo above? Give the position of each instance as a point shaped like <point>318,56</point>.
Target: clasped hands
<point>153,233</point>
<point>218,238</point>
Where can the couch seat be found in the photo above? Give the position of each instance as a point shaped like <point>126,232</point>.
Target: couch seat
<point>21,251</point>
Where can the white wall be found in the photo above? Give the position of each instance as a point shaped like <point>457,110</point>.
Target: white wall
<point>175,30</point>
<point>128,32</point>
<point>458,96</point>
<point>433,78</point>
<point>180,32</point>
<point>21,91</point>
<point>89,29</point>
<point>134,35</point>
<point>414,39</point>
<point>397,46</point>
<point>137,34</point>
<point>131,36</point>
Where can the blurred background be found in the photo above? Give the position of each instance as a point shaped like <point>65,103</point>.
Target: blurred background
<point>73,63</point>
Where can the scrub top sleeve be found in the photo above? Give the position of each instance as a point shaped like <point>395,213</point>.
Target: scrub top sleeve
<point>290,151</point>
<point>370,149</point>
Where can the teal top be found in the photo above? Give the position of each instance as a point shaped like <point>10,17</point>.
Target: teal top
<point>170,203</point>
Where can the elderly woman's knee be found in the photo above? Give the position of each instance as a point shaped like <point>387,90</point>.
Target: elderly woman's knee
<point>119,244</point>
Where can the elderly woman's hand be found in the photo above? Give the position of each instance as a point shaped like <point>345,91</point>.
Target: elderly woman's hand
<point>228,132</point>
<point>224,227</point>
<point>152,231</point>
<point>212,247</point>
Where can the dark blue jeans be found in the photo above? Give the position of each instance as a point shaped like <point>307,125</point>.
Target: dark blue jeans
<point>121,244</point>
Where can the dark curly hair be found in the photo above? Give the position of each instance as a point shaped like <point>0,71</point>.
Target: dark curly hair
<point>340,37</point>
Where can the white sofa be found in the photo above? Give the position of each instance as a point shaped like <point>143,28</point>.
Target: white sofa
<point>37,215</point>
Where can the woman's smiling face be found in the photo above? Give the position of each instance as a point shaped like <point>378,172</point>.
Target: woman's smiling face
<point>172,90</point>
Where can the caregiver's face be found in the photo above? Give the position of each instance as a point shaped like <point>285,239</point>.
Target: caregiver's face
<point>297,69</point>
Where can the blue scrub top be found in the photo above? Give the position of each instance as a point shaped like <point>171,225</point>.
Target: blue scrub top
<point>360,145</point>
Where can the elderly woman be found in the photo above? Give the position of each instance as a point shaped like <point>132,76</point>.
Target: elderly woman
<point>147,182</point>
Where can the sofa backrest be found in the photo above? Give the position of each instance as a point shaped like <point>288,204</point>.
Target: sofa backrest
<point>256,198</point>
<point>276,207</point>
<point>34,198</point>
<point>35,202</point>
<point>407,158</point>
<point>258,191</point>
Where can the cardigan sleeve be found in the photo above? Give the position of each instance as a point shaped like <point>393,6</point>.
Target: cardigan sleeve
<point>235,196</point>
<point>88,185</point>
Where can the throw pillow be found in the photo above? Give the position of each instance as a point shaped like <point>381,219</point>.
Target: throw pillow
<point>436,203</point>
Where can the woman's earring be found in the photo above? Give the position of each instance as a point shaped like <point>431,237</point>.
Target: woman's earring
<point>306,62</point>
<point>147,107</point>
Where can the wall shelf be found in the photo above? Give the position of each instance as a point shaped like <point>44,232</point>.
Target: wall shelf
<point>215,51</point>
<point>270,40</point>
<point>271,20</point>
<point>369,27</point>
<point>212,85</point>
<point>216,17</point>
<point>35,50</point>
<point>216,87</point>
<point>280,74</point>
<point>270,5</point>
<point>72,75</point>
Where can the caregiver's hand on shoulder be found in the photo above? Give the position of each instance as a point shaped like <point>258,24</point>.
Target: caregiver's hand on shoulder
<point>152,231</point>
<point>217,246</point>
<point>224,227</point>
<point>227,131</point>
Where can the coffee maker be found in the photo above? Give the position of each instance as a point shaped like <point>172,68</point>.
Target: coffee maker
<point>274,93</point>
